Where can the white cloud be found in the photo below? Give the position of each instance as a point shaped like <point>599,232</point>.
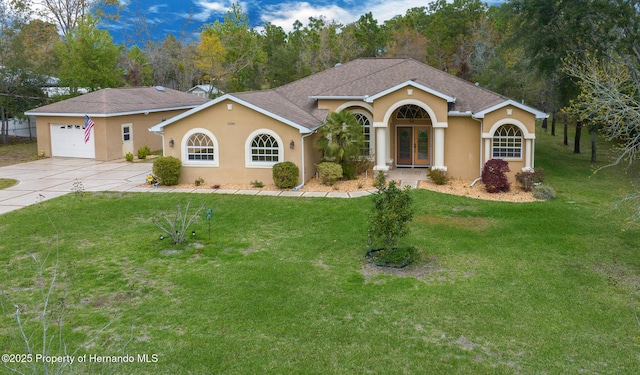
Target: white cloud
<point>206,10</point>
<point>285,14</point>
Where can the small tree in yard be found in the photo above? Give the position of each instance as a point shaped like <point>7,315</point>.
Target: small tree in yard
<point>392,211</point>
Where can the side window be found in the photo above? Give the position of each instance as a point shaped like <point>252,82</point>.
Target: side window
<point>200,147</point>
<point>126,133</point>
<point>264,148</point>
<point>507,142</point>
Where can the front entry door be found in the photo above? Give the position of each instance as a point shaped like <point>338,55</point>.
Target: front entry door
<point>414,146</point>
<point>127,139</point>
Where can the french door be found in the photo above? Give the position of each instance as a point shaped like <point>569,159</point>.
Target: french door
<point>413,146</point>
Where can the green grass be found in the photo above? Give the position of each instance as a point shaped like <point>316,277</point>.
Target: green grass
<point>7,182</point>
<point>281,285</point>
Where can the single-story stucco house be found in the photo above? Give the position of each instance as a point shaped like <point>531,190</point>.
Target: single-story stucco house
<point>122,117</point>
<point>412,115</point>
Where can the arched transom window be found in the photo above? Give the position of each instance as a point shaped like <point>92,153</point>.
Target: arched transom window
<point>200,147</point>
<point>411,112</point>
<point>507,142</point>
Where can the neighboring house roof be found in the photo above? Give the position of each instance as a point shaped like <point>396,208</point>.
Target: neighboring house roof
<point>364,79</point>
<point>204,88</point>
<point>121,101</point>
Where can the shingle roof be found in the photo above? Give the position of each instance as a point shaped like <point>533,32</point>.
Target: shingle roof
<point>119,101</point>
<point>370,76</point>
<point>361,79</point>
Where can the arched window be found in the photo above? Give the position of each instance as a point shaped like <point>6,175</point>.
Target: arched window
<point>200,148</point>
<point>507,142</point>
<point>264,149</point>
<point>365,122</point>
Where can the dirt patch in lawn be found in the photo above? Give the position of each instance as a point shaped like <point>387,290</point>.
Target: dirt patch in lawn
<point>17,151</point>
<point>476,224</point>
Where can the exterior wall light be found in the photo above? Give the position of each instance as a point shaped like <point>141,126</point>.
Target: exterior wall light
<point>292,144</point>
<point>171,142</point>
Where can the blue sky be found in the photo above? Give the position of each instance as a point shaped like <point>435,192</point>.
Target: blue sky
<point>171,16</point>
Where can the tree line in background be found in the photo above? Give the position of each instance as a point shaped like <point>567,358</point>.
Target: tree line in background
<point>539,52</point>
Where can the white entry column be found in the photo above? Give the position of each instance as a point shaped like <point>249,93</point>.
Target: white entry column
<point>381,147</point>
<point>438,147</point>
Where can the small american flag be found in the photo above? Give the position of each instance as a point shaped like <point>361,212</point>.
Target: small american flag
<point>88,124</point>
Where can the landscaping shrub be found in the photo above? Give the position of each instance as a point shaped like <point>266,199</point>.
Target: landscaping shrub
<point>285,174</point>
<point>167,170</point>
<point>199,181</point>
<point>361,164</point>
<point>329,172</point>
<point>348,171</point>
<point>438,176</point>
<point>544,193</point>
<point>129,157</point>
<point>380,181</point>
<point>257,184</point>
<point>143,152</point>
<point>528,179</point>
<point>494,176</point>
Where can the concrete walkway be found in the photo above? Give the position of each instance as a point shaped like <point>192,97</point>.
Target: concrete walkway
<point>50,178</point>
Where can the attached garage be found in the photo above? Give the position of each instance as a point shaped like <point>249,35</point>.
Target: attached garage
<point>68,141</point>
<point>122,119</point>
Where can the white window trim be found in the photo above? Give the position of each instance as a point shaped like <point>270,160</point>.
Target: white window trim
<point>371,130</point>
<point>200,163</point>
<point>248,160</point>
<point>522,141</point>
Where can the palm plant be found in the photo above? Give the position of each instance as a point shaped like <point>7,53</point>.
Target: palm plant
<point>341,137</point>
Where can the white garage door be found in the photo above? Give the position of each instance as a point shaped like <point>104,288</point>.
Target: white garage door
<point>68,141</point>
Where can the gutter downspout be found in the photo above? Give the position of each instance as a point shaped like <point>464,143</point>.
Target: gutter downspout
<point>481,149</point>
<point>303,161</point>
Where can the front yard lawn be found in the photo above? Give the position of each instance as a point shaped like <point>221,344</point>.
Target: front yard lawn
<point>281,285</point>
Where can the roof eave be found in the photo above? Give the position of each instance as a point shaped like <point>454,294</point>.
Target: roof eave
<point>159,127</point>
<point>372,98</point>
<point>538,114</point>
<point>339,97</point>
<point>106,115</point>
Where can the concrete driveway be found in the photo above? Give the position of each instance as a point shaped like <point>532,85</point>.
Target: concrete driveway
<point>50,178</point>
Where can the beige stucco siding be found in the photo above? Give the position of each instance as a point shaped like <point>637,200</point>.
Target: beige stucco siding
<point>231,129</point>
<point>524,120</point>
<point>107,132</point>
<point>401,97</point>
<point>462,148</point>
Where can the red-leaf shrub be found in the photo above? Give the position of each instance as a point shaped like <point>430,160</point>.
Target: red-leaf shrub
<point>494,176</point>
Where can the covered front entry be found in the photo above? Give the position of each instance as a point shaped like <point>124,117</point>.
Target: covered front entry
<point>413,146</point>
